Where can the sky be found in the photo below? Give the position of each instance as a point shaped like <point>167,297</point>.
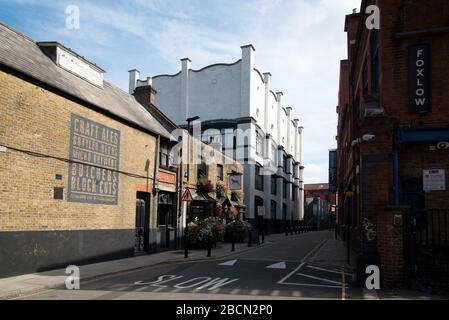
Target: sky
<point>301,42</point>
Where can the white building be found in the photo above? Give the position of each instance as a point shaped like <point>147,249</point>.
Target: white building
<point>237,96</point>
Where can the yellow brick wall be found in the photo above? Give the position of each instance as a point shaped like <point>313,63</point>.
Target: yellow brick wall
<point>35,119</point>
<point>214,157</point>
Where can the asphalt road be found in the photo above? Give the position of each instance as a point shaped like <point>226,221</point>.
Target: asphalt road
<point>275,271</point>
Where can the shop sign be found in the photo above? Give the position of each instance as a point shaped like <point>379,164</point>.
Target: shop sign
<point>235,182</point>
<point>434,180</point>
<point>420,90</point>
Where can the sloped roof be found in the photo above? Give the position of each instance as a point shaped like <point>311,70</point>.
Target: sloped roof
<point>22,54</point>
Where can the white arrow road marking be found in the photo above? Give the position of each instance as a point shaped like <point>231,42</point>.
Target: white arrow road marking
<point>279,265</point>
<point>228,263</point>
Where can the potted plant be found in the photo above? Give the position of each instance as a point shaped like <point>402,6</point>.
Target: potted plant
<point>237,231</point>
<point>204,185</point>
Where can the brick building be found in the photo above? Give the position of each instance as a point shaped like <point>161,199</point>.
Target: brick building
<point>320,206</point>
<point>78,156</point>
<point>205,162</point>
<point>88,171</point>
<point>393,155</point>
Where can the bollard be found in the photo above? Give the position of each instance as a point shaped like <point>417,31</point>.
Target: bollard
<point>209,249</point>
<point>250,239</point>
<point>233,246</point>
<point>286,231</point>
<point>186,245</point>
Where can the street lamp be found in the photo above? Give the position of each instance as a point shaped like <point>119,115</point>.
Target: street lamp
<point>186,240</point>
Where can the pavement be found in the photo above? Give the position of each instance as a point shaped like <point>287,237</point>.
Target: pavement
<point>16,286</point>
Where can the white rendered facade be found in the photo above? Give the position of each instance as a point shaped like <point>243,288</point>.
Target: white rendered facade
<point>230,97</point>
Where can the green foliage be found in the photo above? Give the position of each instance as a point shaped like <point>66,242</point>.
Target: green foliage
<point>237,231</point>
<point>204,233</point>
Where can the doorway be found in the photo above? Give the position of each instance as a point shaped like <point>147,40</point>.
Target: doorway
<point>142,231</point>
<point>413,196</point>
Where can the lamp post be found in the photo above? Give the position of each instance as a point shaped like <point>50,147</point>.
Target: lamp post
<point>186,239</point>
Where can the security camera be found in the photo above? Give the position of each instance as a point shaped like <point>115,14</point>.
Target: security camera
<point>368,137</point>
<point>444,145</point>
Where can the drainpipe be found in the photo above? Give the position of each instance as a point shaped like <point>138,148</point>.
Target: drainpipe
<point>155,183</point>
<point>395,173</point>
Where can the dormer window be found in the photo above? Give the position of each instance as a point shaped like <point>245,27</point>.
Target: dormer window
<point>73,62</point>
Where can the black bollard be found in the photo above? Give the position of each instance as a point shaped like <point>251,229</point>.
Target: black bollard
<point>186,245</point>
<point>250,239</point>
<point>209,249</point>
<point>233,246</point>
<point>286,231</point>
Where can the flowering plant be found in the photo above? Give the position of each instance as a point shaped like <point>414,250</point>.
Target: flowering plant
<point>237,196</point>
<point>221,190</point>
<point>205,185</point>
<point>204,233</point>
<point>232,213</point>
<point>237,231</point>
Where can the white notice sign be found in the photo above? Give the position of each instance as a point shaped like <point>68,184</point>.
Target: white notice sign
<point>434,180</point>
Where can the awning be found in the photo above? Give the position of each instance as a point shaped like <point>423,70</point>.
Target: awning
<point>199,196</point>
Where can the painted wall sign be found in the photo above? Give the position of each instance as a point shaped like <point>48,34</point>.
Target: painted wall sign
<point>96,150</point>
<point>235,182</point>
<point>420,89</point>
<point>434,180</point>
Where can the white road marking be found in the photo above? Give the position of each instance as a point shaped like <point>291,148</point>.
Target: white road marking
<point>228,263</point>
<point>311,285</point>
<point>199,280</point>
<point>327,270</point>
<point>291,273</point>
<point>282,281</point>
<point>280,265</point>
<point>318,278</point>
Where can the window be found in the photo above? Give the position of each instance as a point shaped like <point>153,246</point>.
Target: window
<point>273,153</point>
<point>166,209</point>
<point>258,143</point>
<point>284,189</point>
<point>274,190</point>
<point>273,210</point>
<point>219,172</point>
<point>164,155</point>
<point>58,193</point>
<point>286,165</point>
<point>202,170</point>
<point>258,179</point>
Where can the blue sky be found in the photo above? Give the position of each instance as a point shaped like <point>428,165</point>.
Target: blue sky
<point>301,42</point>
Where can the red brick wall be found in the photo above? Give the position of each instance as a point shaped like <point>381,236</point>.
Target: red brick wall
<point>391,247</point>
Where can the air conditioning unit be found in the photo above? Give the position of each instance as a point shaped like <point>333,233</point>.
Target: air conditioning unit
<point>443,145</point>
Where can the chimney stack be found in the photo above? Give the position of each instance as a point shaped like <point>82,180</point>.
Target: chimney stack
<point>134,76</point>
